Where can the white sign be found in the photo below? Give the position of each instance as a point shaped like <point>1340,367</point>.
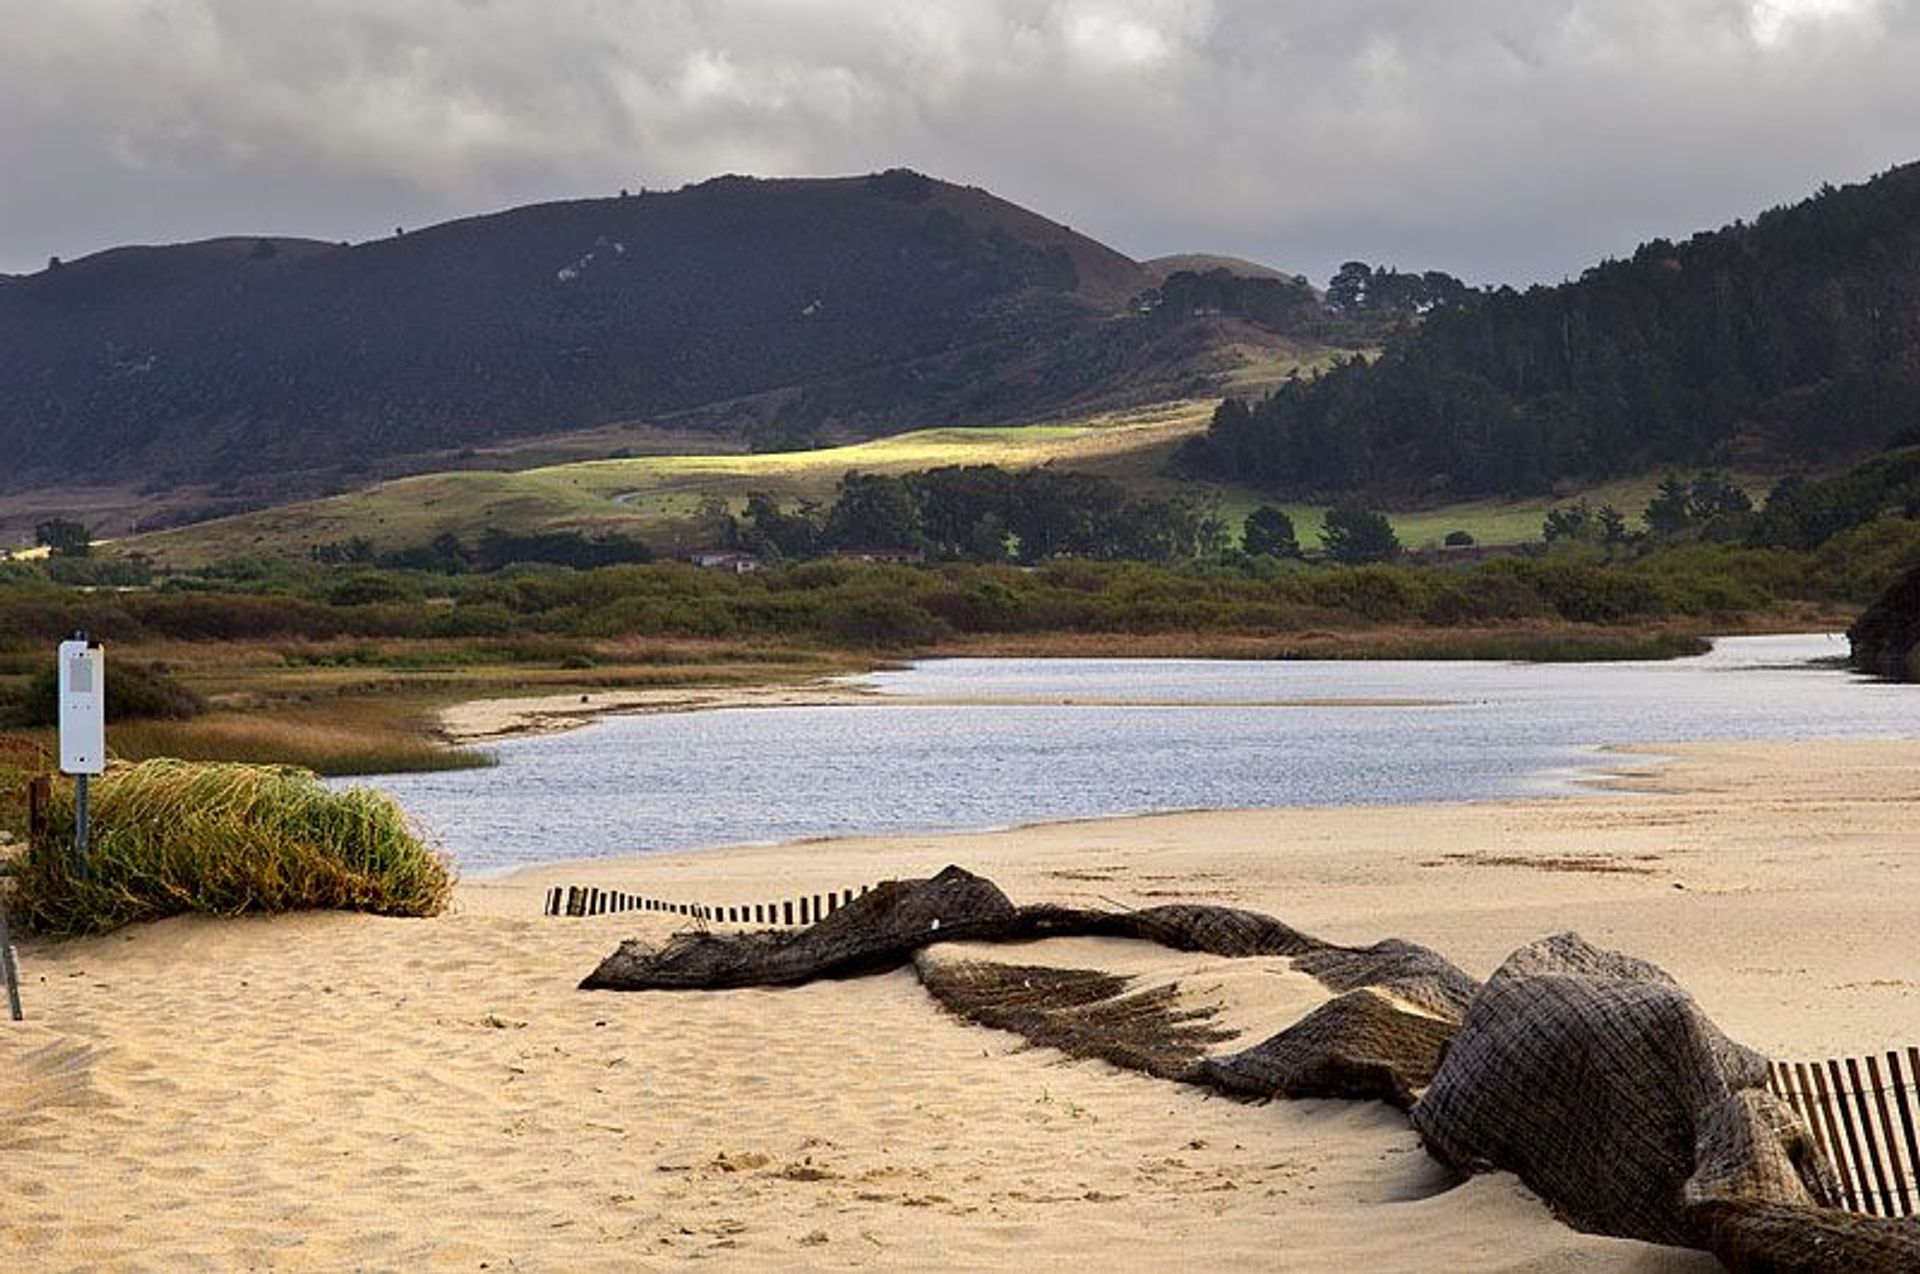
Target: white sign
<point>83,708</point>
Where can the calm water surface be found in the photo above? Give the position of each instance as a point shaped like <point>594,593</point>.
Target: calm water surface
<point>1209,734</point>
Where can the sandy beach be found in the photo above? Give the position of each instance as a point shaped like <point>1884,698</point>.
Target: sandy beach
<point>334,1092</point>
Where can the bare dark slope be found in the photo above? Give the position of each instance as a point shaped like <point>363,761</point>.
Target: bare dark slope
<point>840,307</point>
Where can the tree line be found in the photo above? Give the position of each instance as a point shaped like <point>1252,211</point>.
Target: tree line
<point>982,513</point>
<point>1795,335</point>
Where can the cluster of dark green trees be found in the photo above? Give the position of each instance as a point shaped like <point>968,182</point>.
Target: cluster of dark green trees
<point>447,554</point>
<point>983,513</point>
<point>1795,335</point>
<point>64,537</point>
<point>1349,534</point>
<point>1798,513</point>
<point>1358,288</point>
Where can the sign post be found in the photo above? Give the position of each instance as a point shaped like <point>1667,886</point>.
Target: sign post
<point>83,728</point>
<point>9,971</point>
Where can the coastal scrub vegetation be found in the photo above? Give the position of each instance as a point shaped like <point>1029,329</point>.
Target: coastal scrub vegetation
<point>556,615</point>
<point>169,837</point>
<point>340,663</point>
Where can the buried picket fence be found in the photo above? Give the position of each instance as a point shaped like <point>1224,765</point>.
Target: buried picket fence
<point>1863,1116</point>
<point>579,900</point>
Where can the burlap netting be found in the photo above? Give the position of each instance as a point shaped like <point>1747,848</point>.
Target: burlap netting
<point>1589,1074</point>
<point>879,930</point>
<point>1599,1082</point>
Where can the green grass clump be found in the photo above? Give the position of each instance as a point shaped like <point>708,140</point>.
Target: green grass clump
<point>169,837</point>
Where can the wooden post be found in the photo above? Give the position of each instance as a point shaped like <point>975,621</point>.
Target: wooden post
<point>1801,1098</point>
<point>1885,1110</point>
<point>1863,1187</point>
<point>9,970</point>
<point>1867,1135</point>
<point>1906,1125</point>
<point>1839,1156</point>
<point>39,798</point>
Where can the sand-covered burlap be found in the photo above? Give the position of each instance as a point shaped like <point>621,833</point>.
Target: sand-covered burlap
<point>879,930</point>
<point>1589,1074</point>
<point>1363,1044</point>
<point>1599,1082</point>
<point>1081,1012</point>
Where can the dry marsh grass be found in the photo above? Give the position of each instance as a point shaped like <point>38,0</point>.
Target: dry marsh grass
<point>1524,643</point>
<point>171,836</point>
<point>357,707</point>
<point>308,740</point>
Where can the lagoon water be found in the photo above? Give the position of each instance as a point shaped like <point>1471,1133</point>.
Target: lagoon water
<point>1138,736</point>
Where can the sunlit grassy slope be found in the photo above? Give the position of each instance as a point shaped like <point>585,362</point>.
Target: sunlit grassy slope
<point>659,497</point>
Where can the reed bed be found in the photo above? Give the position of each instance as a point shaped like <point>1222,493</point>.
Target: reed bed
<point>355,742</point>
<point>170,836</point>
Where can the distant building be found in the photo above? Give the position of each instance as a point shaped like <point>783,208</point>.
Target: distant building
<point>726,560</point>
<point>890,556</point>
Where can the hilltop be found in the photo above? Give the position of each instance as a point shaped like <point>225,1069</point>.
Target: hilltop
<point>1790,342</point>
<point>731,314</point>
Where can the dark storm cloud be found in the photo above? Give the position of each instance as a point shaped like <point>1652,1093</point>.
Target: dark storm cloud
<point>1501,139</point>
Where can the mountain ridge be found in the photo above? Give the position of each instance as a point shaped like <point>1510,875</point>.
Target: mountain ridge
<point>781,311</point>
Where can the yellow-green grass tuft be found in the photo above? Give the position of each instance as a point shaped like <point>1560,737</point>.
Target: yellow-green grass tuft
<point>169,837</point>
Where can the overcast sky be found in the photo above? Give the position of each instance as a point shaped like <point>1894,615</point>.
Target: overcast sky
<point>1504,140</point>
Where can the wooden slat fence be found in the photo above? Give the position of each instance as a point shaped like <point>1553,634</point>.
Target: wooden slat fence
<point>1863,1112</point>
<point>580,900</point>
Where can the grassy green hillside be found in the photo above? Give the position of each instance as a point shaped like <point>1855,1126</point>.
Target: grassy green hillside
<point>661,498</point>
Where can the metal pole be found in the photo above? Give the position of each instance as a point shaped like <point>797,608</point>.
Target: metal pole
<point>80,826</point>
<point>9,971</point>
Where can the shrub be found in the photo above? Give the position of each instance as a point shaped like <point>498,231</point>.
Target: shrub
<point>169,837</point>
<point>1376,593</point>
<point>135,692</point>
<point>879,621</point>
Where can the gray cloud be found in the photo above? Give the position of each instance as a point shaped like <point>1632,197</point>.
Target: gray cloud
<point>1500,139</point>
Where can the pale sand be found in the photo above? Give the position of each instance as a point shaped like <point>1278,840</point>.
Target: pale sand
<point>485,720</point>
<point>480,720</point>
<point>344,1092</point>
